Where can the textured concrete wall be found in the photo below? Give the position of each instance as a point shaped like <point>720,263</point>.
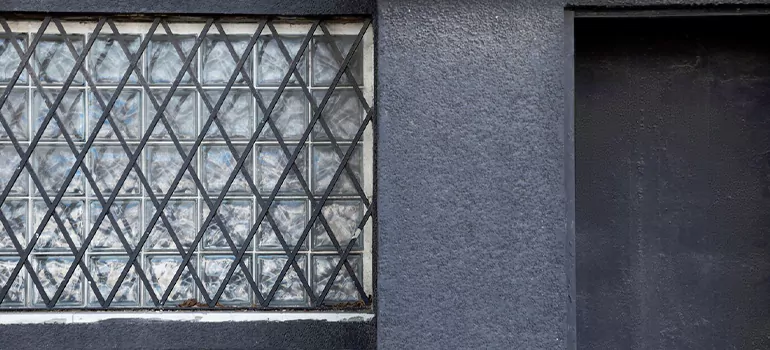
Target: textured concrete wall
<point>472,201</point>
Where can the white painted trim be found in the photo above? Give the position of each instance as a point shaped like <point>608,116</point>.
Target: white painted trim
<point>216,316</point>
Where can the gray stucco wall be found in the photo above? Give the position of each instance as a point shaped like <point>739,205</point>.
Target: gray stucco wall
<point>471,186</point>
<point>472,201</point>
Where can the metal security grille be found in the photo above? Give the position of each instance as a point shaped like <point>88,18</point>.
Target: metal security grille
<point>185,162</point>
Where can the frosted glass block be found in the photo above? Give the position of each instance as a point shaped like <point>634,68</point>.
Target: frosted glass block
<point>128,214</point>
<point>10,157</point>
<point>16,212</point>
<point>218,166</point>
<point>160,270</point>
<point>72,214</point>
<point>126,115</point>
<point>214,270</point>
<point>14,112</point>
<point>51,271</point>
<point>343,218</point>
<point>164,61</point>
<point>326,66</point>
<point>291,217</point>
<point>163,164</point>
<point>71,112</point>
<point>343,288</point>
<point>107,166</point>
<point>272,65</point>
<point>180,113</point>
<point>290,115</point>
<point>16,295</point>
<point>54,62</point>
<point>271,161</point>
<point>108,62</point>
<point>106,270</point>
<point>343,114</point>
<point>236,216</point>
<point>219,64</point>
<point>290,291</point>
<point>236,115</point>
<point>182,215</point>
<point>52,164</point>
<point>325,164</point>
<point>10,60</point>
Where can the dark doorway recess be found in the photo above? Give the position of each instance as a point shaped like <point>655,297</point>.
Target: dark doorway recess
<point>672,181</point>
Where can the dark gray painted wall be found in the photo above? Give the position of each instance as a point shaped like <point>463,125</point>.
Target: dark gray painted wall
<point>672,131</point>
<point>129,334</point>
<point>252,7</point>
<point>472,198</point>
<point>470,170</point>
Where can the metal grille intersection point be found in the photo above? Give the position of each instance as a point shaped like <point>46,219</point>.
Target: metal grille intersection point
<point>196,162</point>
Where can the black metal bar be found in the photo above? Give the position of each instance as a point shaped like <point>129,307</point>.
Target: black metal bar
<point>344,261</point>
<point>53,115</point>
<point>266,206</point>
<point>238,166</point>
<point>322,121</point>
<point>336,148</point>
<point>265,203</point>
<point>142,143</point>
<point>27,264</point>
<point>291,160</point>
<point>132,162</point>
<point>255,191</point>
<point>100,122</point>
<point>201,188</point>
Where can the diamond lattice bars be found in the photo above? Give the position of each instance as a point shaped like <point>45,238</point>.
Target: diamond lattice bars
<point>195,162</point>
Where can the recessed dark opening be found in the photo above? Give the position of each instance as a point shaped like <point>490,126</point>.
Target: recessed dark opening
<point>672,168</point>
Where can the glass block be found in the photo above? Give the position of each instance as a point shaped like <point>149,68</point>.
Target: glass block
<point>52,164</point>
<point>218,166</point>
<point>219,64</point>
<point>325,164</point>
<point>126,115</point>
<point>236,215</point>
<point>291,217</point>
<point>271,162</point>
<point>160,270</point>
<point>14,112</point>
<point>10,60</point>
<point>164,61</point>
<point>214,270</point>
<point>107,166</point>
<point>106,270</point>
<point>51,270</point>
<point>10,157</point>
<point>72,214</point>
<point>272,65</point>
<point>179,113</point>
<point>343,115</point>
<point>236,115</point>
<point>343,217</point>
<point>53,60</point>
<point>182,215</point>
<point>128,214</point>
<point>290,292</point>
<point>163,164</point>
<point>71,112</point>
<point>16,296</point>
<point>108,62</point>
<point>16,212</point>
<point>326,65</point>
<point>290,114</point>
<point>343,288</point>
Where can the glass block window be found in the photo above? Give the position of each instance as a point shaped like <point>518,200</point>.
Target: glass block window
<point>186,163</point>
